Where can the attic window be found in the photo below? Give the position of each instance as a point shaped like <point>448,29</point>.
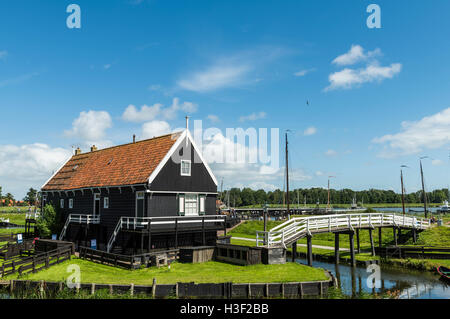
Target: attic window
<point>185,168</point>
<point>110,161</point>
<point>75,167</point>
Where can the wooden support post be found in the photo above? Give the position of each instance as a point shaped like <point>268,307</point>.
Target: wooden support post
<point>92,288</point>
<point>131,289</point>
<point>380,241</point>
<point>336,248</point>
<point>352,248</point>
<point>176,232</point>
<point>309,246</point>
<point>154,287</point>
<point>142,242</point>
<point>414,235</point>
<point>372,245</point>
<point>358,247</point>
<point>294,251</point>
<point>203,231</point>
<point>395,236</point>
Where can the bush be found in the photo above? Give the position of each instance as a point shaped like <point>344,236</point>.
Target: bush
<point>50,222</point>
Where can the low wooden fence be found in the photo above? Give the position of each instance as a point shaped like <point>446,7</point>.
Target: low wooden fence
<point>125,261</point>
<point>36,262</point>
<point>414,252</point>
<point>8,238</point>
<point>11,249</point>
<point>187,290</point>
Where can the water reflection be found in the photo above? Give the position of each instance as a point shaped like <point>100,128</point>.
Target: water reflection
<point>408,284</point>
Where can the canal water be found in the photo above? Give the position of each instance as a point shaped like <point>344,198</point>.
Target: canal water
<point>409,210</point>
<point>408,283</point>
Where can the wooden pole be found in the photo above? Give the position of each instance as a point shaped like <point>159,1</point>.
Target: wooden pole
<point>294,251</point>
<point>352,248</point>
<point>379,238</point>
<point>336,248</point>
<point>403,192</point>
<point>176,232</point>
<point>358,246</point>
<point>423,192</point>
<point>372,246</point>
<point>309,246</point>
<point>395,236</point>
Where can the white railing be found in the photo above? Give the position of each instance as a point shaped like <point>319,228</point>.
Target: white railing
<point>147,222</point>
<point>80,219</point>
<point>298,227</point>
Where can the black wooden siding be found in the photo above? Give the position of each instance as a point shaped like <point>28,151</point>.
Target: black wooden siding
<point>169,178</point>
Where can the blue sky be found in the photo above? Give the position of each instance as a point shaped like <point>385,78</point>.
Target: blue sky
<point>231,64</point>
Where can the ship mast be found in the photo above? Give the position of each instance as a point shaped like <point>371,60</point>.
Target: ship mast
<point>423,191</point>
<point>403,192</point>
<point>287,176</point>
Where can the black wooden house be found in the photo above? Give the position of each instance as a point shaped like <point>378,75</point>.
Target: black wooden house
<point>151,194</point>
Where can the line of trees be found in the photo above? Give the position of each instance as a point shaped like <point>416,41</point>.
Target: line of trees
<point>246,196</point>
<point>9,200</point>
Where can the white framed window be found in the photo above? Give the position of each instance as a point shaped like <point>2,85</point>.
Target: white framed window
<point>106,202</point>
<point>97,196</point>
<point>140,195</point>
<point>61,203</point>
<point>185,168</point>
<point>70,203</point>
<point>191,205</point>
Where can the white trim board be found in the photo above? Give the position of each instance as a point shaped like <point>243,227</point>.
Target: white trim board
<point>172,150</point>
<point>57,171</point>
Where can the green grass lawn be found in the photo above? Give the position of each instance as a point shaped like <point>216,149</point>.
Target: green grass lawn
<point>209,272</point>
<point>14,218</point>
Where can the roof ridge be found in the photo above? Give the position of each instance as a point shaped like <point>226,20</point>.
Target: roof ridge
<point>111,147</point>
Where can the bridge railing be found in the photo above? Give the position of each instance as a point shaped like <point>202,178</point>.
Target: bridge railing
<point>298,227</point>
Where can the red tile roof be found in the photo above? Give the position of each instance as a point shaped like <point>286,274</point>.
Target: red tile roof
<point>127,164</point>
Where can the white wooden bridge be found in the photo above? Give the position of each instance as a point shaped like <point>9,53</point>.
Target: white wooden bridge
<point>296,228</point>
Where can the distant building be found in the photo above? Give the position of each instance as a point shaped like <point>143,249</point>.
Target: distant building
<point>143,195</point>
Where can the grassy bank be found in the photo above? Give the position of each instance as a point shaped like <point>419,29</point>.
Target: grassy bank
<point>209,272</point>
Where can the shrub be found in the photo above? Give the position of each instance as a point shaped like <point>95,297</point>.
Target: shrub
<point>50,221</point>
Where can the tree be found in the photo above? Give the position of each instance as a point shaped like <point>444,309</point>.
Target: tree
<point>31,196</point>
<point>50,222</point>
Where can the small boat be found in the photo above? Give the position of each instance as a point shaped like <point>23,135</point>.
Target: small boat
<point>445,208</point>
<point>444,272</point>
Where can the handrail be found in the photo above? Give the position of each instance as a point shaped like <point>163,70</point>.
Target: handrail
<point>297,227</point>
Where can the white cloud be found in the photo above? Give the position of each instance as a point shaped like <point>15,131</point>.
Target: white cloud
<point>354,55</point>
<point>90,128</point>
<point>373,72</point>
<point>231,71</point>
<point>18,79</point>
<point>3,54</point>
<point>155,128</point>
<point>437,162</point>
<point>303,72</point>
<point>215,77</point>
<point>25,166</point>
<point>310,131</point>
<point>430,132</point>
<point>348,78</point>
<point>213,118</point>
<point>146,113</point>
<point>107,66</point>
<point>331,153</point>
<point>253,117</point>
<point>318,173</point>
<point>149,113</point>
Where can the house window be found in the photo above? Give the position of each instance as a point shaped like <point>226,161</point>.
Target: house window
<point>185,168</point>
<point>191,205</point>
<point>70,203</point>
<point>202,200</point>
<point>61,203</point>
<point>106,202</point>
